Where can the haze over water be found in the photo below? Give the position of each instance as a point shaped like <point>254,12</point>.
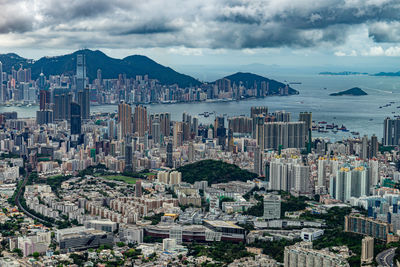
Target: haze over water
<point>355,112</point>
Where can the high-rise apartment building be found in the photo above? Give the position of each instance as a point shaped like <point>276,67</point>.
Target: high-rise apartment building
<point>367,250</point>
<point>125,119</point>
<point>140,120</point>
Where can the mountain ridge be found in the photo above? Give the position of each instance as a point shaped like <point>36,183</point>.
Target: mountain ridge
<point>130,65</point>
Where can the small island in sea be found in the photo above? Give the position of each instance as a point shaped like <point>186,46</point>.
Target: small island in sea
<point>356,91</point>
<point>343,73</point>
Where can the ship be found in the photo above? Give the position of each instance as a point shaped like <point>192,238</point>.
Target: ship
<point>322,122</point>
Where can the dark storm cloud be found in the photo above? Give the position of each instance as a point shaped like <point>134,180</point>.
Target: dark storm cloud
<point>150,28</point>
<point>385,32</point>
<point>236,24</point>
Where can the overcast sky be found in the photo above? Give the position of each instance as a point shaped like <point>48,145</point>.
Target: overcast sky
<point>205,32</point>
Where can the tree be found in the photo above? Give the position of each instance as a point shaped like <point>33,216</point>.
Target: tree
<point>36,255</point>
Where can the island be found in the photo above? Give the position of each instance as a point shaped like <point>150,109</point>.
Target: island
<point>342,73</point>
<point>356,91</point>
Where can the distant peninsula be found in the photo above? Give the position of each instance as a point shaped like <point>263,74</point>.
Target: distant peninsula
<point>343,73</point>
<point>352,92</point>
<point>387,74</point>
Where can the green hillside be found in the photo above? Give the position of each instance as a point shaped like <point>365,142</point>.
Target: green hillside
<point>214,172</point>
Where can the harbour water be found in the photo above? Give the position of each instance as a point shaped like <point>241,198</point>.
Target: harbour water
<point>358,113</point>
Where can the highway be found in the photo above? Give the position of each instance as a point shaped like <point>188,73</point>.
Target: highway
<point>385,258</point>
<point>20,191</point>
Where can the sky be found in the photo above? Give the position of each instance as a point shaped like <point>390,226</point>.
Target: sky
<point>356,34</point>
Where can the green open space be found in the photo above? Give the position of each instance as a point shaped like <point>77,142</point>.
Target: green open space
<point>123,178</point>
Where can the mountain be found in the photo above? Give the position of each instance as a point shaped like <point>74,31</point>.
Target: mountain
<point>352,92</point>
<point>111,67</point>
<point>248,80</point>
<point>13,60</point>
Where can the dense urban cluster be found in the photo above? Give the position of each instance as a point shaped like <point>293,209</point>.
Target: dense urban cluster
<point>133,188</point>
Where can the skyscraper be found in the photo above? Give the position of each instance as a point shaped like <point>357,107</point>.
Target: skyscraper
<point>62,106</point>
<point>128,155</point>
<point>258,161</point>
<point>84,102</point>
<point>391,132</point>
<point>307,118</point>
<point>170,162</point>
<point>125,118</point>
<point>76,119</point>
<point>80,72</point>
<point>140,120</point>
<point>374,146</point>
<point>44,98</point>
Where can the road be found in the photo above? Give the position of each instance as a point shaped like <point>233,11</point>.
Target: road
<point>385,258</point>
<point>20,191</point>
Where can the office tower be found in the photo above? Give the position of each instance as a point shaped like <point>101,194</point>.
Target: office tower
<point>62,106</point>
<point>258,159</point>
<point>374,146</point>
<point>391,132</point>
<point>84,102</point>
<point>156,132</point>
<point>220,131</point>
<point>138,188</point>
<point>231,143</point>
<point>80,72</point>
<point>76,123</point>
<point>99,78</point>
<point>128,155</point>
<point>45,99</point>
<point>272,207</point>
<point>140,120</point>
<point>195,126</point>
<point>44,116</point>
<point>367,250</point>
<point>307,118</point>
<point>364,148</point>
<point>125,119</point>
<point>169,162</point>
<point>186,133</point>
<point>42,81</point>
<point>191,152</point>
<point>210,133</point>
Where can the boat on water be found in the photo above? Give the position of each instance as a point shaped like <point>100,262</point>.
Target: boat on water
<point>322,122</point>
<point>355,133</point>
<point>343,128</point>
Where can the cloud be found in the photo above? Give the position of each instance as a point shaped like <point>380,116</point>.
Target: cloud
<point>215,24</point>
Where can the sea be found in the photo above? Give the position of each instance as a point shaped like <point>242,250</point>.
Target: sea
<point>358,113</point>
